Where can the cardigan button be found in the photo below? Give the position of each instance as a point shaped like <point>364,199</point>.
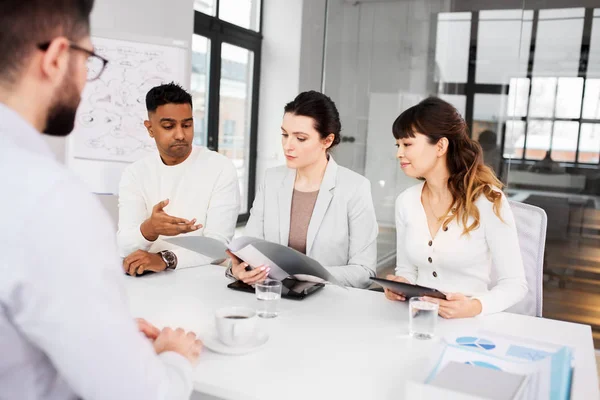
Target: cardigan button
<point>434,274</point>
<point>430,242</point>
<point>430,260</point>
<point>445,229</point>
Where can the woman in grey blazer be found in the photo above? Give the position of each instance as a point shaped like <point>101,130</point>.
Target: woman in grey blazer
<point>313,204</point>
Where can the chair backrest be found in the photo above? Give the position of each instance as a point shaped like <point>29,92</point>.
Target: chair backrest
<point>531,224</point>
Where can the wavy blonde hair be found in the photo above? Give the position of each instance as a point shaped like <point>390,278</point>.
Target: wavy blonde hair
<point>469,176</point>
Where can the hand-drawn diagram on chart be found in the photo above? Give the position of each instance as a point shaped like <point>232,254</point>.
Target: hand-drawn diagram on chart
<point>110,120</point>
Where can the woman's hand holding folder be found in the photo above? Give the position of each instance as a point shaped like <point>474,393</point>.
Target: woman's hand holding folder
<point>245,273</point>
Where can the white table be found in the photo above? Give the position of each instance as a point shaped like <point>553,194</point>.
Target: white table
<point>337,344</point>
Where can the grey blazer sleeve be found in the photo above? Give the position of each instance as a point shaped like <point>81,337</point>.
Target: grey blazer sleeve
<point>362,248</point>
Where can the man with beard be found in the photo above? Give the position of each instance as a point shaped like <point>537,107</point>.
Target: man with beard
<point>65,331</point>
<point>181,189</point>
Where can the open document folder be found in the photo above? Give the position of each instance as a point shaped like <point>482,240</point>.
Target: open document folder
<point>284,261</point>
<point>545,367</point>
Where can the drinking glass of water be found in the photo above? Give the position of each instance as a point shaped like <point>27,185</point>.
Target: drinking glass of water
<point>422,318</point>
<point>268,294</point>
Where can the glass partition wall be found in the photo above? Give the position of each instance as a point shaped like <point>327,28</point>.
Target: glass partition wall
<point>526,77</point>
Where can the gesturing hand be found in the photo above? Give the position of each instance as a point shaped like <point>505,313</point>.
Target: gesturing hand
<point>161,223</point>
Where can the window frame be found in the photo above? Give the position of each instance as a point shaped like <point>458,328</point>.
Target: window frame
<point>219,32</point>
<point>470,89</point>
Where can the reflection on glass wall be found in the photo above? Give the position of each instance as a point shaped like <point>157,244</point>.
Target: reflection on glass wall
<point>526,80</point>
<point>235,105</point>
<point>234,112</point>
<point>199,86</point>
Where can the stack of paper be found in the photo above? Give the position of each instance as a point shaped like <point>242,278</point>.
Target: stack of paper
<point>546,368</point>
<point>486,383</point>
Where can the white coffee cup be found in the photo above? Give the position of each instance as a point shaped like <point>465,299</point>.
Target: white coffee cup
<point>236,326</point>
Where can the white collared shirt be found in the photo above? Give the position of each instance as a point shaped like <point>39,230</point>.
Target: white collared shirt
<point>65,331</point>
<point>204,186</point>
<point>461,263</point>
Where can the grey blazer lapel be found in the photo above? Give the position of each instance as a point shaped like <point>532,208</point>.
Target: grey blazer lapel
<point>285,206</point>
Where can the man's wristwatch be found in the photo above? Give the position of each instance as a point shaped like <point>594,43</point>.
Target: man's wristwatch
<point>169,258</point>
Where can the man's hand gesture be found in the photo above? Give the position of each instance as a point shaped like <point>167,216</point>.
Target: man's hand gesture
<point>161,223</point>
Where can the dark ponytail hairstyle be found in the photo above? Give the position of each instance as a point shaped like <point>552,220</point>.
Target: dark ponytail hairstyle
<point>469,176</point>
<point>321,109</point>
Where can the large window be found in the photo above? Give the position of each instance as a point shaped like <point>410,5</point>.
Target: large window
<point>225,79</point>
<point>527,75</point>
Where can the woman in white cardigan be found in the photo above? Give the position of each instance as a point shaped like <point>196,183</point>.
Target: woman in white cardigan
<point>457,224</point>
<point>312,204</point>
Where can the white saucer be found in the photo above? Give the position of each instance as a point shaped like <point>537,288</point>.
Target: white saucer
<point>212,342</point>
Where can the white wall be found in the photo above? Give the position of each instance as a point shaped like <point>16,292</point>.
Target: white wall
<point>377,57</point>
<point>280,75</point>
<point>312,46</point>
<point>374,47</point>
<point>171,19</point>
<point>131,19</point>
<point>280,67</point>
<point>137,18</point>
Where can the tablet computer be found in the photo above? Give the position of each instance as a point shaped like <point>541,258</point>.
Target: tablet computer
<point>290,288</point>
<point>409,290</point>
